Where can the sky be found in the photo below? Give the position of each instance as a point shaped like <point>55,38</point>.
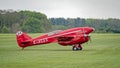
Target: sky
<point>67,8</point>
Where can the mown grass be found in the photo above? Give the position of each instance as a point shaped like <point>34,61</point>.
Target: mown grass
<point>102,52</point>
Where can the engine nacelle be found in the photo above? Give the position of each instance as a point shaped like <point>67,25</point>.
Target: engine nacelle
<point>78,39</point>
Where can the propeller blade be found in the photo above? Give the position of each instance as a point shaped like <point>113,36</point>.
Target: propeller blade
<point>90,38</point>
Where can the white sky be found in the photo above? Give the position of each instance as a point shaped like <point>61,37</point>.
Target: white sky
<point>67,8</point>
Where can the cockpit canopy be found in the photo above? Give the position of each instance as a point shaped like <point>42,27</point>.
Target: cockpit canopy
<point>53,32</point>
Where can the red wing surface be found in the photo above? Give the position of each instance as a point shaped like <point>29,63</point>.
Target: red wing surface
<point>64,38</point>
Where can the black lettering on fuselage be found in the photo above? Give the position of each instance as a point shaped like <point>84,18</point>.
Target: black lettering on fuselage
<point>40,41</point>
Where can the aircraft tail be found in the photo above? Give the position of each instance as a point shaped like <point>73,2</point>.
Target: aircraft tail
<point>23,39</point>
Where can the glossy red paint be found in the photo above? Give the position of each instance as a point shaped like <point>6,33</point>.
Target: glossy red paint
<point>67,37</point>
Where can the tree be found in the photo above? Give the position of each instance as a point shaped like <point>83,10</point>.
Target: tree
<point>33,18</point>
<point>32,25</point>
<point>5,30</point>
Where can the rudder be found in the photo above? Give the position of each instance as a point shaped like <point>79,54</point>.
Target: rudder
<point>23,39</point>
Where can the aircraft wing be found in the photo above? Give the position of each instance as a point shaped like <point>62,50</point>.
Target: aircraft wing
<point>64,38</point>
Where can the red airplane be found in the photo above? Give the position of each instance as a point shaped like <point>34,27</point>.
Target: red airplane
<point>70,37</point>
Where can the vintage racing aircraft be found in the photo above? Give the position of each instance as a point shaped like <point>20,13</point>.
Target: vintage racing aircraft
<point>70,37</point>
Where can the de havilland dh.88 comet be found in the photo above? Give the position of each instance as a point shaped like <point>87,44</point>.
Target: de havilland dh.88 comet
<point>71,37</point>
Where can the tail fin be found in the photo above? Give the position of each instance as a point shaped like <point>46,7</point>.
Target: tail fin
<point>23,39</point>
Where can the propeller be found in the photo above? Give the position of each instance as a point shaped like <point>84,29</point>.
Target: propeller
<point>86,35</point>
<point>90,39</point>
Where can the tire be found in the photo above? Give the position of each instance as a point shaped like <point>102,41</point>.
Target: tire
<point>74,48</point>
<point>80,47</point>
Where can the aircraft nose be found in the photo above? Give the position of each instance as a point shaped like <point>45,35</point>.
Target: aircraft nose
<point>93,29</point>
<point>89,30</point>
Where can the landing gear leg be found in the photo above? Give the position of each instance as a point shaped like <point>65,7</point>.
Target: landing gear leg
<point>80,47</point>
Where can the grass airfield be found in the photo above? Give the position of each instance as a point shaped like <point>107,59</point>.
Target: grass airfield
<point>102,52</point>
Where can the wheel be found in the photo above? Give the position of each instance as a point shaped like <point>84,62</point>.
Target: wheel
<point>80,47</point>
<point>77,47</point>
<point>74,48</point>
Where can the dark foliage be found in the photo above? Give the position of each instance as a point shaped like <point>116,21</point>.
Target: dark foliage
<point>34,22</point>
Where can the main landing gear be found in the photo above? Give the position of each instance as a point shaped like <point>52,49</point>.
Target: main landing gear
<point>77,47</point>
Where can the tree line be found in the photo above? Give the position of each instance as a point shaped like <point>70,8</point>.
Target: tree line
<point>110,25</point>
<point>28,21</point>
<point>36,22</point>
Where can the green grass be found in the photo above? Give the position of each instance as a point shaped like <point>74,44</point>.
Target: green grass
<point>102,52</point>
